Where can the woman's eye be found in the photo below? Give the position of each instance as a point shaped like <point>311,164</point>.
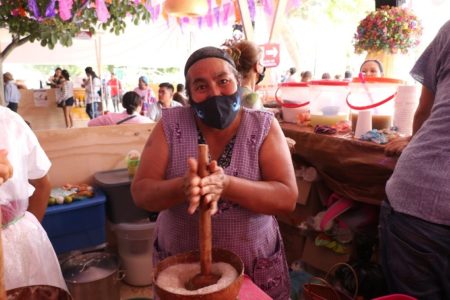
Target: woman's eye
<point>200,87</point>
<point>224,81</point>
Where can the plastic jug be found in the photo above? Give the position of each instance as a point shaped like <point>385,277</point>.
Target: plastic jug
<point>294,100</point>
<point>328,105</point>
<point>376,94</point>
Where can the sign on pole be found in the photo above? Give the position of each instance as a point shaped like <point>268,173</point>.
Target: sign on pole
<point>271,55</point>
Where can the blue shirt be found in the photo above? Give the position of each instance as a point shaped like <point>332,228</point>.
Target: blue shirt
<point>12,94</point>
<point>420,184</point>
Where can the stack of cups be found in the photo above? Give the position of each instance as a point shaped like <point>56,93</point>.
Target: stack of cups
<point>364,123</point>
<point>404,108</point>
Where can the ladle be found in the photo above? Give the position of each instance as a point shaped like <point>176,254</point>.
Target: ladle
<point>205,277</point>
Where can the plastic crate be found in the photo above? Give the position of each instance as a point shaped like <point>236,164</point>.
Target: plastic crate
<point>78,225</point>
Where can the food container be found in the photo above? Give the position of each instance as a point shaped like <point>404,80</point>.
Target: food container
<point>376,94</point>
<point>93,276</point>
<point>328,105</point>
<point>294,100</point>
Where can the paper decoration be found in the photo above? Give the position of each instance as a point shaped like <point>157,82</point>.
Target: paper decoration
<point>102,11</point>
<point>65,9</point>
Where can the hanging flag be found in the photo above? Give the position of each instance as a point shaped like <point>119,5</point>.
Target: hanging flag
<point>34,8</point>
<point>217,15</point>
<point>252,9</point>
<point>102,11</point>
<point>50,10</point>
<point>65,9</point>
<point>226,13</point>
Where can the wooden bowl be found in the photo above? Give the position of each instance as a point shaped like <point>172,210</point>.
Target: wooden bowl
<point>218,255</point>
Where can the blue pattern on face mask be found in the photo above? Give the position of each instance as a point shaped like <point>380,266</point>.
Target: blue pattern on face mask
<point>236,104</point>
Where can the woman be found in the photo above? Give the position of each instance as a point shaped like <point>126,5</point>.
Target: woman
<point>246,185</point>
<point>92,86</point>
<point>29,258</point>
<point>146,94</point>
<point>247,56</point>
<point>372,68</point>
<point>132,104</point>
<point>65,97</point>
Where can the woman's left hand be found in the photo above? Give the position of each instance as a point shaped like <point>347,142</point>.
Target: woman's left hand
<point>6,170</point>
<point>213,185</point>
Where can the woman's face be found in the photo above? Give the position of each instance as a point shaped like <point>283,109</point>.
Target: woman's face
<point>142,85</point>
<point>211,77</point>
<point>371,69</point>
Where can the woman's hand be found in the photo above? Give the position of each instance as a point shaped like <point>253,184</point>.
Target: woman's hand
<point>6,170</point>
<point>210,187</point>
<point>395,147</point>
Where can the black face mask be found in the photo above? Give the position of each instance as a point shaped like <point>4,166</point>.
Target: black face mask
<point>261,75</point>
<point>218,111</point>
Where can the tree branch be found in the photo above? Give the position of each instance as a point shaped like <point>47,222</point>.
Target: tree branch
<point>16,42</point>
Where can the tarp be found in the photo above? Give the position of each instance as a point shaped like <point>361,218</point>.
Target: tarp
<point>146,45</point>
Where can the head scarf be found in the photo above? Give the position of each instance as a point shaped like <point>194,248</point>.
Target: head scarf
<point>207,52</point>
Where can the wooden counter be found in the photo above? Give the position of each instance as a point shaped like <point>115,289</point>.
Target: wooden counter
<point>355,169</point>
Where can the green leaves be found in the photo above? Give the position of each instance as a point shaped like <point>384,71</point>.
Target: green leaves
<point>20,21</point>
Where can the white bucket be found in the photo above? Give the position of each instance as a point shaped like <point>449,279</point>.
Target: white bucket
<point>294,100</point>
<point>135,242</point>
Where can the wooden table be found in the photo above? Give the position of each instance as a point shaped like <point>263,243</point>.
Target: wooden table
<point>352,168</point>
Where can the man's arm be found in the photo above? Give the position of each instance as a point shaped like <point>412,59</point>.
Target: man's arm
<point>423,111</point>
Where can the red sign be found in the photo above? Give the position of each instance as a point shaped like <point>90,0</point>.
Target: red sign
<point>271,55</point>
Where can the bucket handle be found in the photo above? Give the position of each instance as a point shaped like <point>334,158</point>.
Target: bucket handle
<point>289,105</point>
<point>371,105</point>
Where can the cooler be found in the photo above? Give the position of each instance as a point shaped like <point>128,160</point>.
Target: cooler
<point>294,100</point>
<point>328,105</point>
<point>78,225</point>
<point>120,207</point>
<point>376,94</point>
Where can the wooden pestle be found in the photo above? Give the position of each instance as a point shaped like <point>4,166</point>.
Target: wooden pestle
<point>205,277</point>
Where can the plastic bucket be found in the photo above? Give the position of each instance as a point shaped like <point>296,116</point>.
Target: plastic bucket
<point>328,105</point>
<point>376,94</point>
<point>135,243</point>
<point>294,99</point>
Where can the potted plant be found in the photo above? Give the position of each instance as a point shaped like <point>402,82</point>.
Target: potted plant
<point>387,30</point>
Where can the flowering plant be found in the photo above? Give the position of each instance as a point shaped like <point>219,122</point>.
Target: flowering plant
<point>389,29</point>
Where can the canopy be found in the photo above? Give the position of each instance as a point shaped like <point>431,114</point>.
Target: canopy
<point>152,45</point>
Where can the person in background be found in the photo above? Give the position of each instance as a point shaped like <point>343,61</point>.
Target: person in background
<point>180,95</point>
<point>146,94</point>
<point>65,97</point>
<point>415,218</point>
<point>337,77</point>
<point>28,256</point>
<point>132,104</point>
<point>326,76</point>
<point>290,76</point>
<point>371,68</point>
<point>165,94</point>
<point>246,186</point>
<point>247,58</point>
<point>92,86</point>
<point>116,90</point>
<point>54,81</point>
<point>306,76</point>
<point>12,94</point>
<point>348,76</point>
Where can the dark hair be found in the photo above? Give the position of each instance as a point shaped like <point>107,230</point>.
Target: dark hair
<point>245,55</point>
<point>166,85</point>
<point>348,74</point>
<point>326,75</point>
<point>131,101</point>
<point>292,70</point>
<point>91,72</point>
<point>58,68</point>
<point>65,74</point>
<point>380,66</point>
<point>180,87</point>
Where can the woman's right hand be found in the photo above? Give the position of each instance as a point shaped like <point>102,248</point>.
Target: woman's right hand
<point>6,170</point>
<point>191,185</point>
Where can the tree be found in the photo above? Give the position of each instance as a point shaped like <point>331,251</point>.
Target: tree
<point>44,21</point>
